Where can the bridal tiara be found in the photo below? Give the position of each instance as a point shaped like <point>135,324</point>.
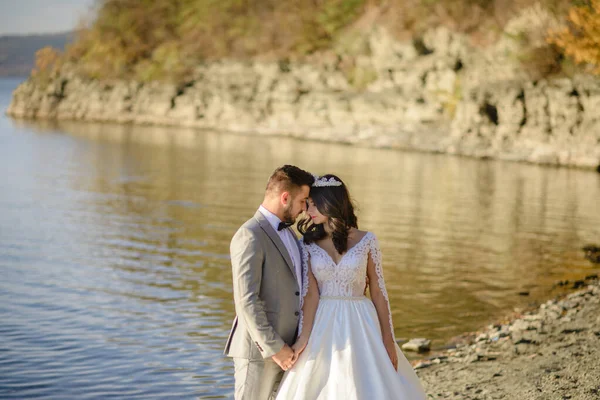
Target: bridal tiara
<point>324,182</point>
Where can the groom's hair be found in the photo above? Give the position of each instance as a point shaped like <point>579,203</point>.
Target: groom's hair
<point>288,178</point>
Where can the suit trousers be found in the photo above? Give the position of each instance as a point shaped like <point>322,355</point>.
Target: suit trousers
<point>256,379</point>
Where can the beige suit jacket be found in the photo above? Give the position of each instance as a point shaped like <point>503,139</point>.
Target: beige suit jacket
<point>265,292</point>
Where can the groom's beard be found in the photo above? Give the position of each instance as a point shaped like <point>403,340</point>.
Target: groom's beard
<point>287,215</point>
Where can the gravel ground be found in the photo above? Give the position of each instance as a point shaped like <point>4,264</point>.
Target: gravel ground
<point>549,353</point>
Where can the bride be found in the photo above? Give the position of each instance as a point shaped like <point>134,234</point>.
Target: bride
<point>346,343</point>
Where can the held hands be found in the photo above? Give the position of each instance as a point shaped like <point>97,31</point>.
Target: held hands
<point>390,346</point>
<point>286,358</point>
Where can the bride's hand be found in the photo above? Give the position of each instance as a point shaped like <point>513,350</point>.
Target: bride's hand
<point>390,346</point>
<point>300,345</point>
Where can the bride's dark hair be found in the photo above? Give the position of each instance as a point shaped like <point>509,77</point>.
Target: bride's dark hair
<point>333,202</point>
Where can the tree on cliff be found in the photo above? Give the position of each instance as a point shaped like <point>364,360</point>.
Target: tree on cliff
<point>580,39</point>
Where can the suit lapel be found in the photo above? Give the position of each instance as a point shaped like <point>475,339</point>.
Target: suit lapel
<point>299,246</point>
<point>274,236</point>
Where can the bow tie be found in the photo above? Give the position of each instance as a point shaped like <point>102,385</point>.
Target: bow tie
<point>283,225</point>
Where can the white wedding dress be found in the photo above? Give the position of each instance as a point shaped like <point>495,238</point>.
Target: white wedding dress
<point>345,358</point>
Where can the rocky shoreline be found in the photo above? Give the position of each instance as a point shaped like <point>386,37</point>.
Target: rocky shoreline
<point>552,352</point>
<point>436,93</point>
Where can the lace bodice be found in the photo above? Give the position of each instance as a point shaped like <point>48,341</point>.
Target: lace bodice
<point>348,277</point>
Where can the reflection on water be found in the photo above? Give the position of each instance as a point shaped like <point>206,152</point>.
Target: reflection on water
<point>114,247</point>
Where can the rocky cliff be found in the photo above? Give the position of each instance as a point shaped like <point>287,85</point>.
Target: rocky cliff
<point>435,93</point>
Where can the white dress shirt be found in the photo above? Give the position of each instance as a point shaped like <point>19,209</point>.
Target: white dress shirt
<point>289,240</point>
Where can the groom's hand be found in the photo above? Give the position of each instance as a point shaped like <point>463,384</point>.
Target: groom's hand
<point>285,358</point>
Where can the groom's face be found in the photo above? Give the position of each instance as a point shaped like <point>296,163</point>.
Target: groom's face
<point>296,204</point>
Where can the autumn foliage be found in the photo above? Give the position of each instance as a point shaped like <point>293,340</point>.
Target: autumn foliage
<point>157,39</point>
<point>46,60</point>
<point>580,39</point>
<point>148,40</point>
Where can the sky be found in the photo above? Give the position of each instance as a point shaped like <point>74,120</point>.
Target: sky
<point>41,16</point>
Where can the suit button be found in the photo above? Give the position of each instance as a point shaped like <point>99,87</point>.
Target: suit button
<point>297,293</point>
<point>297,313</point>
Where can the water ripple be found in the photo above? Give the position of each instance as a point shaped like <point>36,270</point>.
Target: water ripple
<point>114,247</point>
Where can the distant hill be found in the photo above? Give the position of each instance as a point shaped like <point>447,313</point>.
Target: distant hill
<point>17,53</point>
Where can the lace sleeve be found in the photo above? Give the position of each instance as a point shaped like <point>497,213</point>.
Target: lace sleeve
<point>375,253</point>
<point>304,290</point>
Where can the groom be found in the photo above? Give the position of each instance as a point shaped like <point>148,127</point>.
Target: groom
<point>267,282</point>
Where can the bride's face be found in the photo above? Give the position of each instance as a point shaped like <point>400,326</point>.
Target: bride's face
<point>315,215</point>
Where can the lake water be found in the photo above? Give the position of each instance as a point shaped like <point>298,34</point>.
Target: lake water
<point>115,275</point>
